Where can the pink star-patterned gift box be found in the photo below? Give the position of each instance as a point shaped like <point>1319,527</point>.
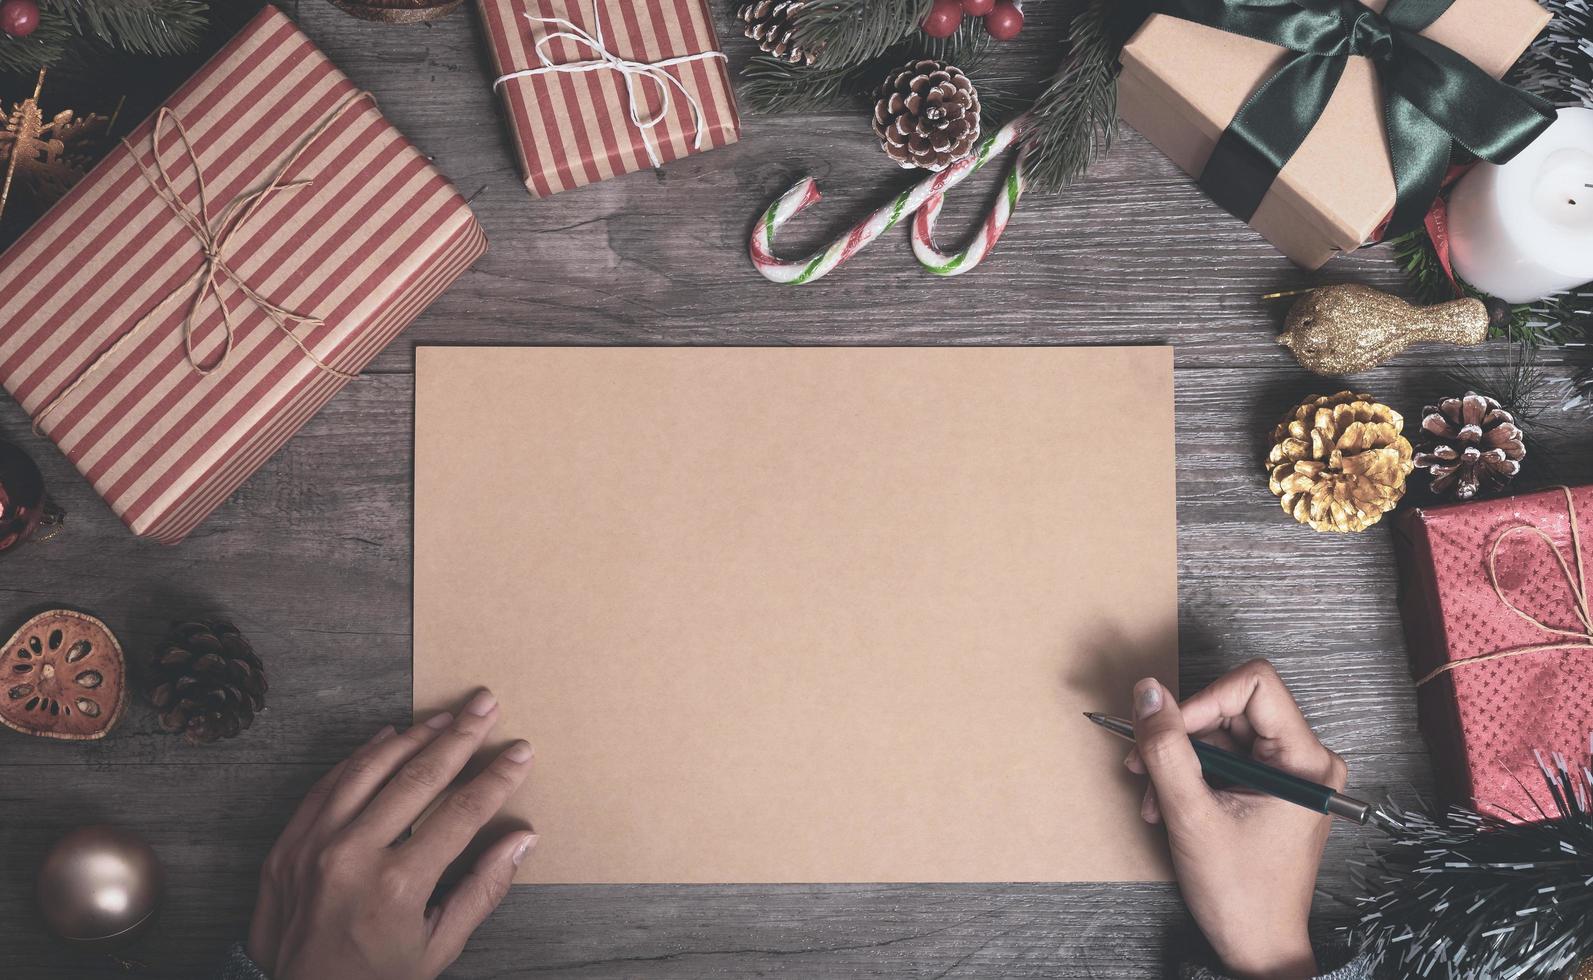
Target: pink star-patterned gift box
<point>1494,599</point>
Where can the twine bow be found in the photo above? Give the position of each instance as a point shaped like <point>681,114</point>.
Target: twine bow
<point>605,60</point>
<point>1577,582</point>
<point>213,234</point>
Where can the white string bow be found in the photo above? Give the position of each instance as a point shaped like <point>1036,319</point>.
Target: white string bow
<point>605,60</point>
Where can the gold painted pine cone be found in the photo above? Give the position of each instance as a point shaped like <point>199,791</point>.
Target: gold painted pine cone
<point>1339,462</point>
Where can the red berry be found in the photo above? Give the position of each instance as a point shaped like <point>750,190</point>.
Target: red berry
<point>977,8</point>
<point>942,20</point>
<point>19,18</point>
<point>1005,20</point>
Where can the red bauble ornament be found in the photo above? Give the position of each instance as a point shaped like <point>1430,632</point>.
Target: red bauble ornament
<point>19,18</point>
<point>943,19</point>
<point>1005,20</point>
<point>23,503</point>
<point>977,8</point>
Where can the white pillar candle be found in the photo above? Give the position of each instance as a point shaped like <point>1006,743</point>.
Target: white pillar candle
<point>1524,230</point>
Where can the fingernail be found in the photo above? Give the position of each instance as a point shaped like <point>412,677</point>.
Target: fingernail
<point>482,704</point>
<point>519,752</point>
<point>1147,699</point>
<point>439,721</point>
<point>526,843</point>
<point>381,733</point>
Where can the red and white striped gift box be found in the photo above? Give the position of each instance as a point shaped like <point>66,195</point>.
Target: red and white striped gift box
<point>571,115</point>
<point>360,234</point>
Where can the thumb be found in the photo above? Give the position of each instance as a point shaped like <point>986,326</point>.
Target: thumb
<point>1169,759</point>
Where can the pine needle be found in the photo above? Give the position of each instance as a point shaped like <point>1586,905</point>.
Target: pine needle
<point>1524,389</point>
<point>1581,395</point>
<point>851,32</point>
<point>157,27</point>
<point>42,48</point>
<point>146,27</point>
<point>1074,120</point>
<point>775,85</point>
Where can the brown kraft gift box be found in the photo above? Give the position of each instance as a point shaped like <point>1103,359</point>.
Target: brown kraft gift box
<point>1183,82</point>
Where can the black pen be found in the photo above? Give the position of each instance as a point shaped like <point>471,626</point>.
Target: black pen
<point>1225,765</point>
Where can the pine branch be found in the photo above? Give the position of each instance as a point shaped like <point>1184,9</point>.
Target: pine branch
<point>774,85</point>
<point>851,32</point>
<point>156,27</point>
<point>1074,120</point>
<point>26,55</point>
<point>149,27</point>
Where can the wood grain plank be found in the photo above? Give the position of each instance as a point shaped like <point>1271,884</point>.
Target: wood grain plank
<point>312,556</point>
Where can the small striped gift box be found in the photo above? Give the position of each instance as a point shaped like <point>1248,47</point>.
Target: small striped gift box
<point>597,88</point>
<point>224,272</point>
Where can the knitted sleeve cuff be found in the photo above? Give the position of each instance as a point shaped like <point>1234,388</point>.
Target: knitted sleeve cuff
<point>239,966</point>
<point>1352,968</point>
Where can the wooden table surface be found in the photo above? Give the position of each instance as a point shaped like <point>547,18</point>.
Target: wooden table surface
<point>312,556</point>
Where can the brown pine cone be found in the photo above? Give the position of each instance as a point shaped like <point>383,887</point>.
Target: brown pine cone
<point>1338,462</point>
<point>927,115</point>
<point>206,681</point>
<point>1469,444</point>
<point>772,23</point>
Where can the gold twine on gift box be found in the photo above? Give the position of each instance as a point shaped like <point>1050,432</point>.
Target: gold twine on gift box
<point>213,236</point>
<point>1576,639</point>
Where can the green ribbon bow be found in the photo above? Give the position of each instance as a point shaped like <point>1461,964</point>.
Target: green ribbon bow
<point>1433,97</point>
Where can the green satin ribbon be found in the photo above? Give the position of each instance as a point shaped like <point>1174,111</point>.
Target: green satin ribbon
<point>1433,97</point>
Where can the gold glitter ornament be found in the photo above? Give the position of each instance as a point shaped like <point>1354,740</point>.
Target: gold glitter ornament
<point>1347,328</point>
<point>1584,971</point>
<point>45,159</point>
<point>1339,462</point>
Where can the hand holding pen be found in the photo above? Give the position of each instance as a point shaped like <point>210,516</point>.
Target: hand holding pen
<point>1246,862</point>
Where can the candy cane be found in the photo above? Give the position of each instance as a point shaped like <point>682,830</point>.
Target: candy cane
<point>956,263</point>
<point>806,191</point>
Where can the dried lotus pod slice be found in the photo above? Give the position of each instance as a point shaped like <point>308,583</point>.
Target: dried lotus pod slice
<point>62,675</point>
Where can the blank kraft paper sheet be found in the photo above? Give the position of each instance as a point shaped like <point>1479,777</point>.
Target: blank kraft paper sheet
<point>804,615</point>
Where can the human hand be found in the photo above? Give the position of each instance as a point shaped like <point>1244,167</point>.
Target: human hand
<point>338,898</point>
<point>1246,862</point>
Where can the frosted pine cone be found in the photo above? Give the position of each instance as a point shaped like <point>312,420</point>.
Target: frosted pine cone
<point>1469,445</point>
<point>772,23</point>
<point>927,115</point>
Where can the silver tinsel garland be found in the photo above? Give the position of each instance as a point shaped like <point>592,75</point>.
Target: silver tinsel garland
<point>1457,895</point>
<point>1559,65</point>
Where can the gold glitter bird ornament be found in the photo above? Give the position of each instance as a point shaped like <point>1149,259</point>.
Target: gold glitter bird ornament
<point>1339,462</point>
<point>1348,328</point>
